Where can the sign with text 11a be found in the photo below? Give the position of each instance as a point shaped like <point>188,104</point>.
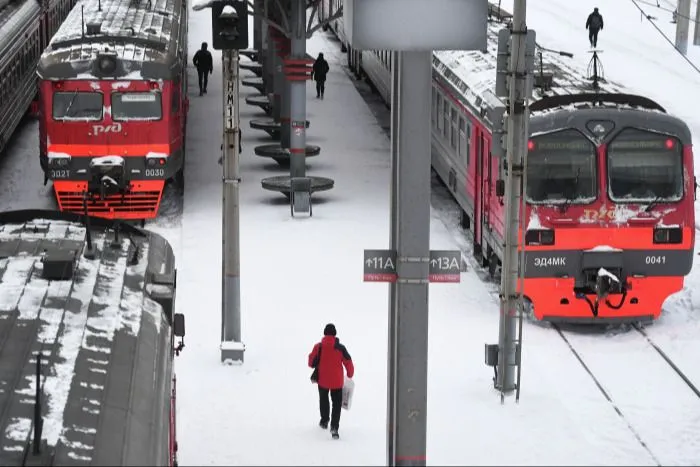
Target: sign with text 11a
<point>443,266</point>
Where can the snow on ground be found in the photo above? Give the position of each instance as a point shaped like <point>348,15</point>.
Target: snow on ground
<point>298,274</point>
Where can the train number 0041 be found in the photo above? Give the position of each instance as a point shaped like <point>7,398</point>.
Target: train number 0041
<point>655,259</point>
<point>155,172</point>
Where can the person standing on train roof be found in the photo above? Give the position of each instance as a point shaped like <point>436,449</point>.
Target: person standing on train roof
<point>319,73</point>
<point>205,66</point>
<point>594,23</point>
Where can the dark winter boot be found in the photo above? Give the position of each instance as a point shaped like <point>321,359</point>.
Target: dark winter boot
<point>334,433</point>
<point>323,424</point>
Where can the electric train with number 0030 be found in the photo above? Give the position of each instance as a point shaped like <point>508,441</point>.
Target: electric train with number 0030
<point>87,342</point>
<point>26,26</point>
<point>113,99</point>
<point>609,215</point>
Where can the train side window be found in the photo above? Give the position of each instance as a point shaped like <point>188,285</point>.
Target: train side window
<point>455,129</point>
<point>439,112</point>
<point>463,141</point>
<point>433,103</point>
<point>446,119</point>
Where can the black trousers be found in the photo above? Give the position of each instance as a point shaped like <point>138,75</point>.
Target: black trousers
<point>203,80</point>
<point>320,87</point>
<point>593,37</point>
<point>337,398</point>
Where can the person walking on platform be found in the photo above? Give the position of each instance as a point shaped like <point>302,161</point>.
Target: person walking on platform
<point>205,66</point>
<point>328,357</point>
<point>594,24</point>
<point>319,73</point>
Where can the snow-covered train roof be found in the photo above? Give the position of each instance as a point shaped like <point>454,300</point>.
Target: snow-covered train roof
<point>473,73</point>
<point>148,38</point>
<point>14,18</point>
<point>104,337</point>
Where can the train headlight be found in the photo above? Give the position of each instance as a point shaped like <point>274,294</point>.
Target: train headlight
<point>668,235</point>
<point>539,237</point>
<point>155,161</point>
<point>61,161</point>
<point>107,63</point>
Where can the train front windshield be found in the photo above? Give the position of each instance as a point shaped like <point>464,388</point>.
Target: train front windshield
<point>645,167</point>
<point>561,168</point>
<point>77,105</point>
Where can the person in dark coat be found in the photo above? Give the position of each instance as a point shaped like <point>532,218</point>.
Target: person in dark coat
<point>594,23</point>
<point>333,357</point>
<point>319,73</point>
<point>205,66</point>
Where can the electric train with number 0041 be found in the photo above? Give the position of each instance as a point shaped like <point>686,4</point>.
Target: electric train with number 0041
<point>609,216</point>
<point>113,99</point>
<point>26,26</point>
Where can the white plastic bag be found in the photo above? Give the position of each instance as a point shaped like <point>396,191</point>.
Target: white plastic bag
<point>348,390</point>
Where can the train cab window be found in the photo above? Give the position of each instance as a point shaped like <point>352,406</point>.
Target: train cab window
<point>136,106</point>
<point>561,168</point>
<point>175,101</point>
<point>77,105</point>
<point>645,166</point>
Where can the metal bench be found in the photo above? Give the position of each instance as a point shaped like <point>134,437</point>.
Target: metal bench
<point>300,196</point>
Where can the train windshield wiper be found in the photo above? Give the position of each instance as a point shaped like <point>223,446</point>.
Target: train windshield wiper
<point>570,195</point>
<point>654,202</point>
<point>70,104</point>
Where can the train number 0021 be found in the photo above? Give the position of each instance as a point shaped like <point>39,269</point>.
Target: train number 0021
<point>155,172</point>
<point>655,259</point>
<point>60,173</point>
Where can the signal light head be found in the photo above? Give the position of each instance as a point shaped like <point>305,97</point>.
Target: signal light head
<point>155,161</point>
<point>668,235</point>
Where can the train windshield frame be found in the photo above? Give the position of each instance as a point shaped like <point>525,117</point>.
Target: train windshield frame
<point>562,168</point>
<point>80,106</point>
<point>137,106</point>
<point>645,166</point>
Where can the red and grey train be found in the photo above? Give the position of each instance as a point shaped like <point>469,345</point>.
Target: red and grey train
<point>26,26</point>
<point>113,100</point>
<point>610,185</point>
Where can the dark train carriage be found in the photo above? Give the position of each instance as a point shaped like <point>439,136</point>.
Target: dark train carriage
<point>25,29</point>
<point>113,84</point>
<point>87,340</point>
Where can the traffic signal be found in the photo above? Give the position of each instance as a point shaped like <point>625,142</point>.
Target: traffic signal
<point>229,19</point>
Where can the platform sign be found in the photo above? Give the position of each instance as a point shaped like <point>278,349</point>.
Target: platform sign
<point>445,265</point>
<point>380,266</point>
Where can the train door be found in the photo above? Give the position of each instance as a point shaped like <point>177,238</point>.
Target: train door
<point>478,188</point>
<point>486,191</point>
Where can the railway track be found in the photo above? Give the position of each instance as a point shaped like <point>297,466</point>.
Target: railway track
<point>652,395</point>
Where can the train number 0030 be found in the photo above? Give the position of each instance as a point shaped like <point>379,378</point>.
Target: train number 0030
<point>655,259</point>
<point>155,172</point>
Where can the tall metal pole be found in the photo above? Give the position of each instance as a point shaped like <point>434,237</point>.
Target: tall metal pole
<point>683,26</point>
<point>297,92</point>
<point>696,36</point>
<point>515,165</point>
<point>410,229</point>
<point>232,348</point>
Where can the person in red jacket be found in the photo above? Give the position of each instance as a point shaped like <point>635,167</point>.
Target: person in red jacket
<point>333,357</point>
